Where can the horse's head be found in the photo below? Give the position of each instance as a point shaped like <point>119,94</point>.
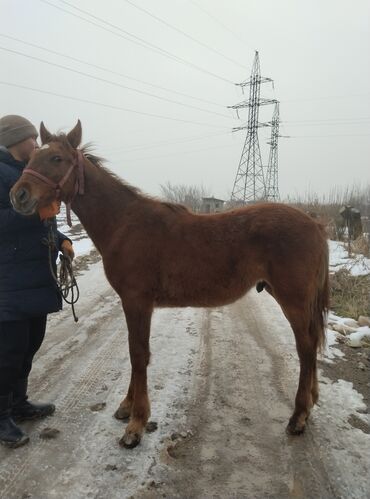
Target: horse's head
<point>52,173</point>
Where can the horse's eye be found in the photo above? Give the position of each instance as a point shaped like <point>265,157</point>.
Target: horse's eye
<point>57,159</point>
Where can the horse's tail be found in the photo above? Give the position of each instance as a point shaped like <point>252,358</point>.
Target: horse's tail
<point>320,305</point>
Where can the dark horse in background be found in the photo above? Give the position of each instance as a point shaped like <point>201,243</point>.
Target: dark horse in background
<point>158,254</point>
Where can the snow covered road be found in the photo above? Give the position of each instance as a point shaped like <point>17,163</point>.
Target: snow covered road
<point>222,385</point>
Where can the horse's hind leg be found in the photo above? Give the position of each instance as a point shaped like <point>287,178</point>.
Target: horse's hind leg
<point>315,383</point>
<point>136,404</point>
<point>304,400</point>
<point>307,393</point>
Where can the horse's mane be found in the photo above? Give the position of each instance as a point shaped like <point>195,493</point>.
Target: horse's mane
<point>87,151</point>
<point>98,161</point>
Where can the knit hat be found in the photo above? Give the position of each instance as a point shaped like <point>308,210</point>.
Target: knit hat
<point>14,129</point>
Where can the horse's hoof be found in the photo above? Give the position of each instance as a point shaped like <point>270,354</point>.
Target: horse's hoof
<point>294,431</point>
<point>294,428</point>
<point>122,413</point>
<point>130,440</point>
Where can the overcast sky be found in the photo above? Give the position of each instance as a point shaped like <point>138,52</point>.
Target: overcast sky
<point>316,51</point>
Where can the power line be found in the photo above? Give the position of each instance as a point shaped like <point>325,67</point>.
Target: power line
<point>328,120</point>
<point>177,153</point>
<point>206,101</point>
<point>345,123</point>
<point>140,147</point>
<point>325,136</point>
<point>187,152</point>
<point>220,23</point>
<point>75,59</point>
<point>109,106</point>
<point>171,26</point>
<point>327,97</point>
<point>134,39</point>
<point>97,78</point>
<point>141,43</point>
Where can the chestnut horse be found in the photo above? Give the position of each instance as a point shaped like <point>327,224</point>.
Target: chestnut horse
<point>159,254</point>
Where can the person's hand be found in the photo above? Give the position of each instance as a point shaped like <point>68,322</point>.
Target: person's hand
<point>50,210</point>
<point>67,249</point>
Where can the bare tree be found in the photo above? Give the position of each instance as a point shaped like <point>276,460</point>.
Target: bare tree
<point>189,195</point>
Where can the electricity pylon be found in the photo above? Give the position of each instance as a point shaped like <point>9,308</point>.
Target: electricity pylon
<point>272,182</point>
<point>251,183</point>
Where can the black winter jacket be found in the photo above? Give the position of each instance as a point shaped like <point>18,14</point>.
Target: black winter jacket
<point>27,288</point>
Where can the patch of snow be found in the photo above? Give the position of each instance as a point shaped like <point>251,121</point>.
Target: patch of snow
<point>338,259</point>
<point>351,333</point>
<point>331,338</point>
<point>333,317</point>
<point>344,399</point>
<point>83,246</point>
<point>330,352</point>
<point>359,338</point>
<point>346,446</point>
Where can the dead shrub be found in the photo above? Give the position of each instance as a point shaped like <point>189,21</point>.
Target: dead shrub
<point>361,246</point>
<point>350,295</point>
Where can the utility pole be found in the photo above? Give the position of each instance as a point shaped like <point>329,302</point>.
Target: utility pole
<point>251,181</point>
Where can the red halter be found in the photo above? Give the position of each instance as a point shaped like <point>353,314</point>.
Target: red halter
<point>79,184</point>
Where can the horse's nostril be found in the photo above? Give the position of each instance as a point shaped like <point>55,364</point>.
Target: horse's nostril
<point>22,195</point>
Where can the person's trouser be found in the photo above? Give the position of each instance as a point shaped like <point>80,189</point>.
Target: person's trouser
<point>19,341</point>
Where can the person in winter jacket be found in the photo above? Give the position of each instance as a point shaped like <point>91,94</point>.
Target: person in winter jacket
<point>27,289</point>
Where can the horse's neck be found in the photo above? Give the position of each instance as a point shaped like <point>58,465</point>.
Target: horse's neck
<point>101,209</point>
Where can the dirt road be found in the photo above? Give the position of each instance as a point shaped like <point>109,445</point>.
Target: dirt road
<point>222,386</point>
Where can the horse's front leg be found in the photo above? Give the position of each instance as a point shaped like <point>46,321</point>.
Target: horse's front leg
<point>124,409</point>
<point>138,317</point>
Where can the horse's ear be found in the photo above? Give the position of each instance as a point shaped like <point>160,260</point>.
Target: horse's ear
<point>45,135</point>
<point>74,137</point>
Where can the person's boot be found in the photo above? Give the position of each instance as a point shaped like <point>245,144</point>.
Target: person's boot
<point>23,409</point>
<point>10,434</point>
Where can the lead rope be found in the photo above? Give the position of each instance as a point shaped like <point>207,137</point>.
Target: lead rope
<point>66,282</point>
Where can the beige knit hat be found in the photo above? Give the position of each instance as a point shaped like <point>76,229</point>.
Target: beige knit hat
<point>14,129</point>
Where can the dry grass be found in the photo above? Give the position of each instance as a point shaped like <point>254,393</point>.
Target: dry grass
<point>350,295</point>
<point>361,246</point>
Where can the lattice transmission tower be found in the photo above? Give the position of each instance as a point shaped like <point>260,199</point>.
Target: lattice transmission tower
<point>251,182</point>
<point>272,181</point>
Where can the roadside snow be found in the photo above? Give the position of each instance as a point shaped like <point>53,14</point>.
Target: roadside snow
<point>359,338</point>
<point>339,259</point>
<point>344,330</point>
<point>348,447</point>
<point>330,352</point>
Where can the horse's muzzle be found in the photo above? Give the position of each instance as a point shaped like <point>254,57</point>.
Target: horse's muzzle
<point>22,202</point>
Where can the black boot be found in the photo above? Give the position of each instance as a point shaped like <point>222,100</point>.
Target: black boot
<point>23,409</point>
<point>10,434</point>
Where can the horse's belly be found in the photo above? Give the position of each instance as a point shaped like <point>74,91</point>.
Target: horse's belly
<point>198,293</point>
